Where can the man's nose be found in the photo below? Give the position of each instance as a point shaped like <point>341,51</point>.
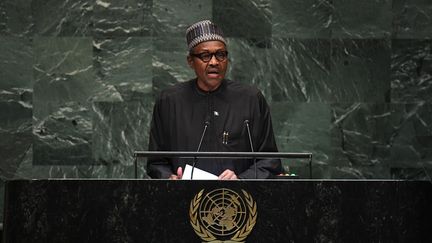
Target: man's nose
<point>213,60</point>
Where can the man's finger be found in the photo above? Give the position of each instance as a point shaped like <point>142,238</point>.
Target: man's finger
<point>179,172</point>
<point>227,175</point>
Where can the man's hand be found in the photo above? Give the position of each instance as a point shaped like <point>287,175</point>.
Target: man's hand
<point>178,176</point>
<point>228,175</point>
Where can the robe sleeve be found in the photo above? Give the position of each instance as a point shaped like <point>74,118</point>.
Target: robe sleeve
<point>158,168</point>
<point>263,136</point>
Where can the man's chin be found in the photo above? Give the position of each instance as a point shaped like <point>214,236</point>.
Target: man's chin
<point>215,82</point>
<point>211,83</point>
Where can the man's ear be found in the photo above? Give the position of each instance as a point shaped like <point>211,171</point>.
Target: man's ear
<point>190,61</point>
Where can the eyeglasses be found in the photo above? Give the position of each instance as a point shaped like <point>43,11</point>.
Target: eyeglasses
<point>207,56</point>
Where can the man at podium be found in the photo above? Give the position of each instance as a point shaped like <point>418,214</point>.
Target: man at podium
<point>211,113</point>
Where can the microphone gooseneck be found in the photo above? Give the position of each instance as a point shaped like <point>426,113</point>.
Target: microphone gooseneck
<point>246,122</point>
<point>206,124</point>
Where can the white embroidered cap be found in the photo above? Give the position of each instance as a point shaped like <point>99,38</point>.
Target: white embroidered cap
<point>201,31</point>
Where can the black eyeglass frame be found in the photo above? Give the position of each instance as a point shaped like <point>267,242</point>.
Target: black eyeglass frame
<point>210,55</point>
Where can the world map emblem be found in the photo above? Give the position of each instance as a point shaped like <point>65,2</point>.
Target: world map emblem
<point>223,215</point>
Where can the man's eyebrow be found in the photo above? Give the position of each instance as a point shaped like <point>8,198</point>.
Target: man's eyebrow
<point>207,50</point>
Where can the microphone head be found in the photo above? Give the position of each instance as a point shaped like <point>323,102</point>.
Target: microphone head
<point>246,121</point>
<point>207,120</point>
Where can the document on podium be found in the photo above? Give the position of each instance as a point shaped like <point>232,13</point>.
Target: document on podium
<point>198,174</point>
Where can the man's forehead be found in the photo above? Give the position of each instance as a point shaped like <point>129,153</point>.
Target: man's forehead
<point>210,46</point>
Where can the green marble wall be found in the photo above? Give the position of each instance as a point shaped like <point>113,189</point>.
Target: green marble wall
<point>349,80</point>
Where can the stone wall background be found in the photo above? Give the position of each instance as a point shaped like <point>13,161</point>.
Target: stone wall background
<point>349,80</point>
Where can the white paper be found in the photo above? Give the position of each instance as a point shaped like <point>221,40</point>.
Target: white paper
<point>198,174</point>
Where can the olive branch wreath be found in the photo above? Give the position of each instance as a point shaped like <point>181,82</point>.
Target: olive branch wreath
<point>247,228</point>
<point>206,235</point>
<point>200,231</point>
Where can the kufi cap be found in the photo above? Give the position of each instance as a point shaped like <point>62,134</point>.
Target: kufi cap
<point>203,31</point>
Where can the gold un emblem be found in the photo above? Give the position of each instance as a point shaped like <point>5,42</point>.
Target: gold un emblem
<point>222,215</point>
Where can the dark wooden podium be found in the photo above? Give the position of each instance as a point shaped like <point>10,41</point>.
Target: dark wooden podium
<point>174,211</point>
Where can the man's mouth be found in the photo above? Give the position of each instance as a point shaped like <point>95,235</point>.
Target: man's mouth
<point>213,72</point>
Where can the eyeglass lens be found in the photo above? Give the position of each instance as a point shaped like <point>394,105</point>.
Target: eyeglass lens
<point>206,56</point>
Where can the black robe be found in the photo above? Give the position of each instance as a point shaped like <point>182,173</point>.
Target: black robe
<point>179,116</point>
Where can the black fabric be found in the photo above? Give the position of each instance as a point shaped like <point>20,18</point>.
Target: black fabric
<point>179,117</point>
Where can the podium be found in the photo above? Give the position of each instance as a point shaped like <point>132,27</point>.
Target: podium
<point>192,211</point>
<point>226,155</point>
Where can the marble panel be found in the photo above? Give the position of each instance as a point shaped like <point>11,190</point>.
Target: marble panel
<point>372,140</point>
<point>2,192</point>
<point>360,70</point>
<point>411,71</point>
<point>171,18</point>
<point>122,18</point>
<point>64,136</point>
<point>360,140</point>
<point>300,70</point>
<point>3,18</point>
<point>62,18</point>
<point>16,18</point>
<point>301,18</point>
<point>15,132</point>
<point>249,63</point>
<point>244,18</point>
<point>412,19</point>
<point>169,62</point>
<point>119,129</point>
<point>63,72</point>
<point>16,61</point>
<point>28,170</point>
<point>303,127</point>
<point>15,129</point>
<point>123,66</point>
<point>411,137</point>
<point>64,84</point>
<point>362,19</point>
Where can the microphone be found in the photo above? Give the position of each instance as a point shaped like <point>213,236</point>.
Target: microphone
<point>246,122</point>
<point>206,124</point>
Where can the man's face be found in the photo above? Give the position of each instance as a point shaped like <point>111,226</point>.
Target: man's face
<point>210,74</point>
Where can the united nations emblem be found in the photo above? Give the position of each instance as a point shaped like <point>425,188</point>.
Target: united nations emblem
<point>222,215</point>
